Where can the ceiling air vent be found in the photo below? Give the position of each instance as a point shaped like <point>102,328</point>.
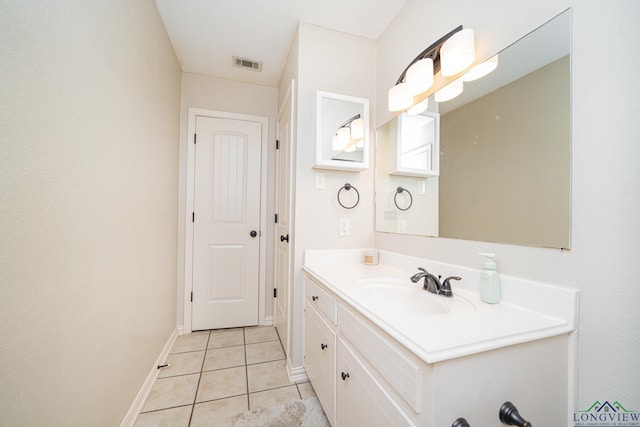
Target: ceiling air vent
<point>248,64</point>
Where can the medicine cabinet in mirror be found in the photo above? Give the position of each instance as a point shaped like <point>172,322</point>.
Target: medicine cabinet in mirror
<point>342,132</point>
<point>415,145</point>
<point>504,153</point>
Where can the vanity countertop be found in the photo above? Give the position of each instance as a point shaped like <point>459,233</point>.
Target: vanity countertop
<point>528,311</point>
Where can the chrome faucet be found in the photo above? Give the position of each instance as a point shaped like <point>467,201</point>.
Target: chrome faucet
<point>432,283</point>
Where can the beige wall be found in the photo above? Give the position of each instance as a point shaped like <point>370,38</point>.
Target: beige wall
<point>89,107</point>
<point>505,164</point>
<point>321,56</point>
<point>199,91</point>
<point>605,185</point>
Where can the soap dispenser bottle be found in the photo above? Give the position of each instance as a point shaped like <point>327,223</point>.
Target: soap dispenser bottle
<point>489,280</point>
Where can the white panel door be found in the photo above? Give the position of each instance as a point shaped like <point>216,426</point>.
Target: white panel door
<point>283,226</point>
<point>226,249</point>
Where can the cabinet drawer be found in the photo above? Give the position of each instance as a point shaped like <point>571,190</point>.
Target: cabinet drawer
<point>405,372</point>
<point>321,300</point>
<point>320,358</point>
<point>361,400</point>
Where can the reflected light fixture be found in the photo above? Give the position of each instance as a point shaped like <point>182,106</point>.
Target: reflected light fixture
<point>419,107</point>
<point>357,128</point>
<point>349,136</point>
<point>452,49</point>
<point>481,70</point>
<point>340,139</point>
<point>449,92</point>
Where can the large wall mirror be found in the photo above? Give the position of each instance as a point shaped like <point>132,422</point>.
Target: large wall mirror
<point>505,146</point>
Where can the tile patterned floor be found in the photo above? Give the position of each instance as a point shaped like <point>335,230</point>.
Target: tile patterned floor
<point>215,375</point>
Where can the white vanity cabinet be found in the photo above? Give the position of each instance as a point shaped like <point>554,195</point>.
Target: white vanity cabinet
<point>366,377</point>
<point>361,398</point>
<point>320,345</point>
<point>350,389</point>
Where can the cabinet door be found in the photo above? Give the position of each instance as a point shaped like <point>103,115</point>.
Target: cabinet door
<point>361,400</point>
<point>320,359</point>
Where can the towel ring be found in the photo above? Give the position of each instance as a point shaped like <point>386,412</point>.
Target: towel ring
<point>399,190</point>
<point>348,187</point>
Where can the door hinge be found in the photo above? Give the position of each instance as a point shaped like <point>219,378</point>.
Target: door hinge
<point>193,217</point>
<point>277,144</point>
<point>276,218</point>
<point>275,292</point>
<point>191,296</point>
<point>194,138</point>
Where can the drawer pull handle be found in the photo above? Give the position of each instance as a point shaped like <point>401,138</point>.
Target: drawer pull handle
<point>323,346</point>
<point>314,297</point>
<point>344,376</point>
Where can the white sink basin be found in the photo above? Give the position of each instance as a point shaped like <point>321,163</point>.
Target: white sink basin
<point>399,295</point>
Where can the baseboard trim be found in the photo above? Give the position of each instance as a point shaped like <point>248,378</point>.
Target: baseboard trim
<point>298,374</point>
<point>268,321</point>
<point>136,406</point>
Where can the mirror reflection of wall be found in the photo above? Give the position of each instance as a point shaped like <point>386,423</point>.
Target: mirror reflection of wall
<point>504,151</point>
<point>422,217</point>
<point>505,163</point>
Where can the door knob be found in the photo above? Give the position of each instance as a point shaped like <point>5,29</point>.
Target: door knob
<point>344,376</point>
<point>323,346</point>
<point>253,233</point>
<point>284,238</point>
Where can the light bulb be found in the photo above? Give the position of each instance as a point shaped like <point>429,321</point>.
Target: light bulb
<point>419,76</point>
<point>457,53</point>
<point>399,97</point>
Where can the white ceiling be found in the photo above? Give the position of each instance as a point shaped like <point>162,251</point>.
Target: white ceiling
<point>207,33</point>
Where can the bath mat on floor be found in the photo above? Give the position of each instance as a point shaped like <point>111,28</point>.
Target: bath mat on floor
<point>301,413</point>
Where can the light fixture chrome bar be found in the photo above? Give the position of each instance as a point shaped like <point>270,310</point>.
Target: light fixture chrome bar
<point>433,52</point>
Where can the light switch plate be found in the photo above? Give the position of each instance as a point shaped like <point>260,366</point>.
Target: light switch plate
<point>422,187</point>
<point>319,181</point>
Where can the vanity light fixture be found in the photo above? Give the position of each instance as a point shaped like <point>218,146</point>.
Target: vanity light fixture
<point>449,55</point>
<point>457,53</point>
<point>417,78</point>
<point>399,97</point>
<point>349,136</point>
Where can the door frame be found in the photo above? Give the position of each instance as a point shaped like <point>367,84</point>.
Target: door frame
<point>193,113</point>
